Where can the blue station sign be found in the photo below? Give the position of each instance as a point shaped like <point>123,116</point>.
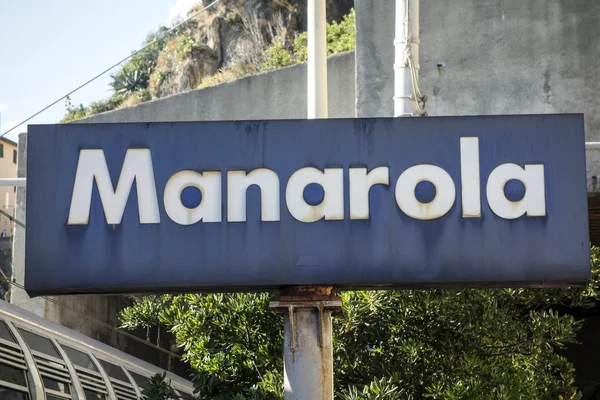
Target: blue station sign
<point>355,203</point>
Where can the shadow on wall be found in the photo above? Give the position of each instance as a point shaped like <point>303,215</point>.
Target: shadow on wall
<point>106,308</point>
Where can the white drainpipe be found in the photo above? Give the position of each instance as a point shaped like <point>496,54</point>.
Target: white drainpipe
<point>407,29</point>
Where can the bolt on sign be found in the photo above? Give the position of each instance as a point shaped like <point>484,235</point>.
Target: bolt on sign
<point>355,203</point>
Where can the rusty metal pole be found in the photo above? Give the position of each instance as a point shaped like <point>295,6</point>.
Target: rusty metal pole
<point>307,349</point>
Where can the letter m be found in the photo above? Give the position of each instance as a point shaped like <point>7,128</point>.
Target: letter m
<point>92,167</point>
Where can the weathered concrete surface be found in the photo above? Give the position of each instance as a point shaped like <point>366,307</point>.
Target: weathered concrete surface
<point>512,57</point>
<point>374,58</point>
<point>106,309</point>
<point>280,94</point>
<point>494,57</point>
<point>490,57</point>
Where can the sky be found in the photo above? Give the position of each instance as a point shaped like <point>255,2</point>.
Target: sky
<point>48,48</point>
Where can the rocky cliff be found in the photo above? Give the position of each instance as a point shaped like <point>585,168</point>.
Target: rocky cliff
<point>231,39</point>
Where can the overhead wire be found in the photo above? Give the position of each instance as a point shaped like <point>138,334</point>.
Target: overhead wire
<point>157,39</point>
<point>13,219</point>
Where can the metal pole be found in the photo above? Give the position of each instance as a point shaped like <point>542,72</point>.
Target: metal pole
<point>406,44</point>
<point>317,60</point>
<point>307,349</point>
<point>19,182</point>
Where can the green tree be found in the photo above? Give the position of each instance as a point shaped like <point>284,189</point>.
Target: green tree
<point>410,344</point>
<point>133,77</point>
<point>96,107</point>
<point>379,389</point>
<point>72,112</point>
<point>135,74</point>
<point>158,388</point>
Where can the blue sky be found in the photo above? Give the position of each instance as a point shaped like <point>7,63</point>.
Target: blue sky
<point>48,48</point>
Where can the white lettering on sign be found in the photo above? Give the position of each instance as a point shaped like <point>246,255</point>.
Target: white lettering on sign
<point>209,209</point>
<point>332,206</point>
<point>445,192</point>
<point>469,177</point>
<point>237,185</point>
<point>92,167</point>
<point>360,186</point>
<point>533,202</point>
<point>137,167</point>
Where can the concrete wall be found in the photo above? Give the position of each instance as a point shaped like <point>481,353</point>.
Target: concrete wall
<point>279,94</point>
<point>498,57</point>
<point>490,57</point>
<point>106,309</point>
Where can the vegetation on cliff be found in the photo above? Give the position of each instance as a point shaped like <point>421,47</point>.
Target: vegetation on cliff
<point>234,39</point>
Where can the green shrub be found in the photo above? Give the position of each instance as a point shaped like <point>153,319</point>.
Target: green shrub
<point>276,57</point>
<point>233,17</point>
<point>97,107</point>
<point>379,389</point>
<point>486,344</point>
<point>75,113</point>
<point>135,73</point>
<point>158,388</point>
<point>138,79</point>
<point>341,37</point>
<point>189,46</point>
